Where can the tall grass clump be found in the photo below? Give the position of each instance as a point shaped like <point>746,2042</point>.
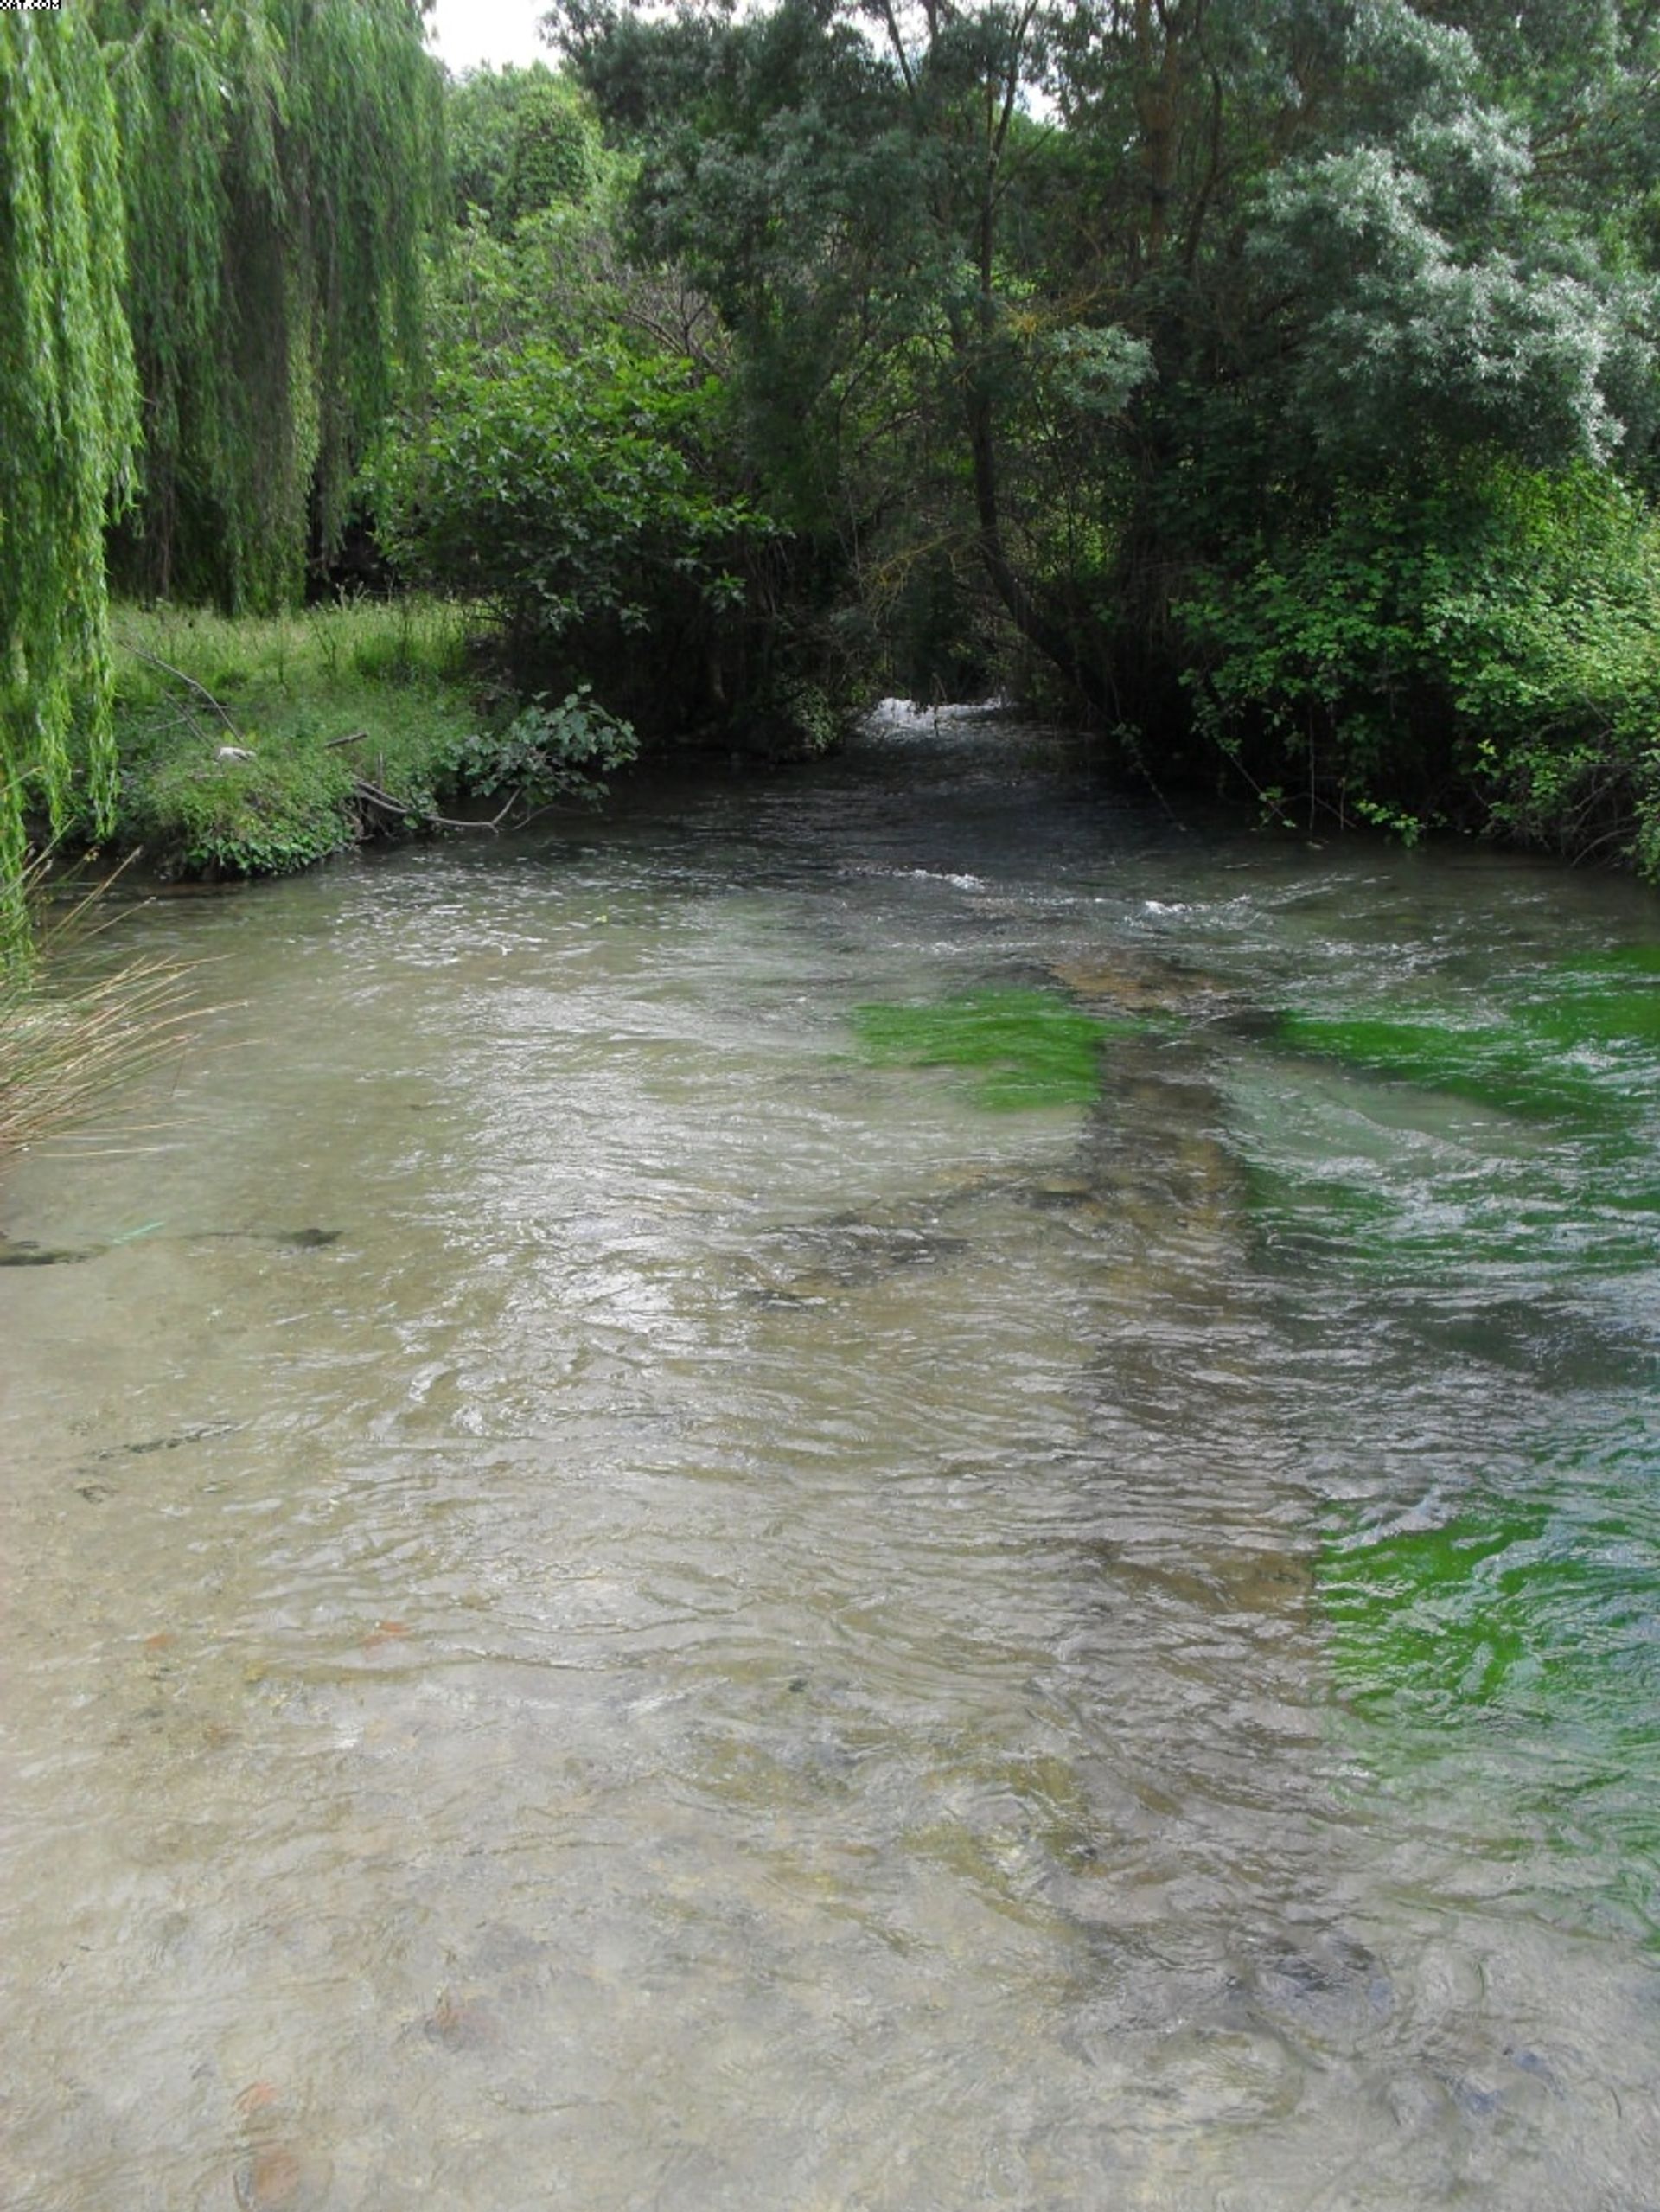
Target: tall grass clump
<point>77,1030</point>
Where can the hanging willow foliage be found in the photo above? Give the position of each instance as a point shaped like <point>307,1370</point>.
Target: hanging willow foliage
<point>282,158</point>
<point>67,420</point>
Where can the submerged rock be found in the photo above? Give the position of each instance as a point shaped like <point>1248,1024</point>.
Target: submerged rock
<point>26,1253</point>
<point>848,1252</point>
<point>1126,981</point>
<point>1324,1988</point>
<point>277,2171</point>
<point>278,2177</point>
<point>309,1239</point>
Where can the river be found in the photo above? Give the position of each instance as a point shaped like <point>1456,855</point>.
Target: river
<point>897,1489</point>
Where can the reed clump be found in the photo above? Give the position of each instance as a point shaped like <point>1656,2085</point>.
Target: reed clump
<point>78,1029</point>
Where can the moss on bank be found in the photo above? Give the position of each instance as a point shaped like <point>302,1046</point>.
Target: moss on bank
<point>291,687</point>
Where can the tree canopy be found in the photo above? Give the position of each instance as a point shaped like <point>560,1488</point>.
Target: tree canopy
<point>1067,326</point>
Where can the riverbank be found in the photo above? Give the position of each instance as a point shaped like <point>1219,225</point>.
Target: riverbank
<point>257,746</point>
<point>260,745</point>
<point>245,746</point>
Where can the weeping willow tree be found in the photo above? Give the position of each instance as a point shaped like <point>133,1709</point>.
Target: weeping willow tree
<point>67,422</point>
<point>281,161</point>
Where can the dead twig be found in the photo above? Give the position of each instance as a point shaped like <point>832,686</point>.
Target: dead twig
<point>179,676</point>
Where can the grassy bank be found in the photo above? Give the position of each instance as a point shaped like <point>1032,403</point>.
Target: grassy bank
<point>197,692</point>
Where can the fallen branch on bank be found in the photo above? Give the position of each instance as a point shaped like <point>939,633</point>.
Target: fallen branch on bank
<point>379,801</point>
<point>408,811</point>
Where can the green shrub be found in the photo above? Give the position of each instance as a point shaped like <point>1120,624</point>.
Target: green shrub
<point>1485,649</point>
<point>545,753</point>
<point>574,498</point>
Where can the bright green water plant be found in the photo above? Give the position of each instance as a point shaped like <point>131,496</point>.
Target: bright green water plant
<point>1435,1621</point>
<point>1499,1066</point>
<point>1517,1637</point>
<point>1028,1048</point>
<point>1609,1003</point>
<point>1574,1045</point>
<point>1570,1059</point>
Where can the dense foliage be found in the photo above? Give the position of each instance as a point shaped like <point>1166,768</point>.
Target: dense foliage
<point>577,466</point>
<point>519,140</point>
<point>1488,643</point>
<point>67,422</point>
<point>280,162</point>
<point>1274,380</point>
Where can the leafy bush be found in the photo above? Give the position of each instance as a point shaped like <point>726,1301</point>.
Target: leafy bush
<point>571,497</point>
<point>593,506</point>
<point>547,753</point>
<point>1552,651</point>
<point>555,153</point>
<point>1485,649</point>
<point>517,139</point>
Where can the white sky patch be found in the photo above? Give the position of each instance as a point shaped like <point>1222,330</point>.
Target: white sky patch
<point>466,34</point>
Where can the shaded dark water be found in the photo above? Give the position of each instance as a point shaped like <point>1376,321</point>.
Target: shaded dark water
<point>613,1597</point>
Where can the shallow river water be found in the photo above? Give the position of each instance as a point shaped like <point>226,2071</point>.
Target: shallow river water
<point>892,1490</point>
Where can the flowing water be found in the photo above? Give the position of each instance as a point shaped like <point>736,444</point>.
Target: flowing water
<point>891,1490</point>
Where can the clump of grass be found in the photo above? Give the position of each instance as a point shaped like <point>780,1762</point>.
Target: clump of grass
<point>75,1031</point>
<point>283,809</point>
<point>398,644</point>
<point>1028,1048</point>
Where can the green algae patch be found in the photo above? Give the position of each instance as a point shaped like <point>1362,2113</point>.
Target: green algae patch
<point>1571,1046</point>
<point>1571,1054</point>
<point>1625,959</point>
<point>1307,1210</point>
<point>1433,1621</point>
<point>1494,1067</point>
<point>1439,1234</point>
<point>1026,1048</point>
<point>1517,1640</point>
<point>1599,1010</point>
